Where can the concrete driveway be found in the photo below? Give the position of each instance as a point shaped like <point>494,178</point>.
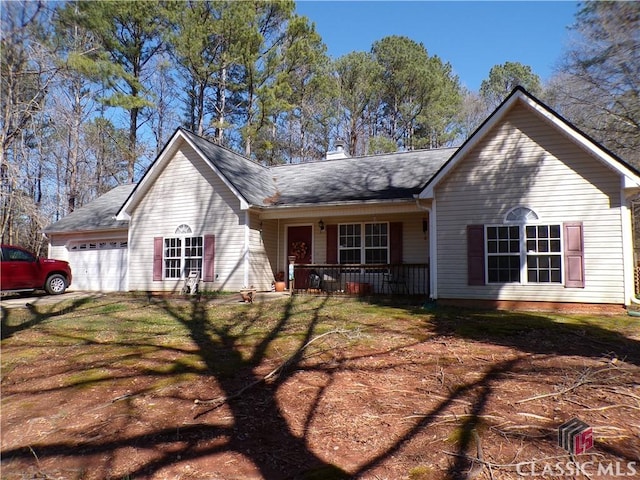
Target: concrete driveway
<point>40,298</point>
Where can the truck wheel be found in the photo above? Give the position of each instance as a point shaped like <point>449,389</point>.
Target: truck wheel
<point>56,284</point>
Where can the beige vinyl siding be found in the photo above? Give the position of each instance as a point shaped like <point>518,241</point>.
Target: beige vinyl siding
<point>526,162</point>
<point>261,273</point>
<point>188,192</point>
<point>271,241</point>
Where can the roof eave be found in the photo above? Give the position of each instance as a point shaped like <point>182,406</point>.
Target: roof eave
<point>92,230</point>
<point>631,178</point>
<point>338,203</point>
<point>150,176</point>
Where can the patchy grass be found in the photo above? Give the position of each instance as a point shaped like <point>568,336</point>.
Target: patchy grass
<point>308,387</point>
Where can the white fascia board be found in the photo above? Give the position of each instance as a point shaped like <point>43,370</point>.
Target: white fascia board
<point>149,177</point>
<point>338,209</point>
<point>630,179</point>
<point>244,205</point>
<point>65,233</point>
<point>629,183</point>
<point>154,171</point>
<point>476,137</point>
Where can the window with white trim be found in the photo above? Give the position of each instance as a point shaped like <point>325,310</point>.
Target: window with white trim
<point>524,253</point>
<point>544,253</point>
<point>182,254</point>
<point>503,253</point>
<point>372,246</point>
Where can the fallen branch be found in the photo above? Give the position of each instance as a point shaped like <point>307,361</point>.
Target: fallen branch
<point>586,377</point>
<point>622,392</point>
<point>219,401</point>
<point>608,407</point>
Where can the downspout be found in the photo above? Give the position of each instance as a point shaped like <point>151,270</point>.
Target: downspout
<point>245,253</point>
<point>433,264</point>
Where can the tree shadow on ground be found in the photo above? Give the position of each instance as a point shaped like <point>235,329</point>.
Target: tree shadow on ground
<point>536,333</point>
<point>279,454</point>
<point>36,316</point>
<point>528,334</point>
<point>237,363</point>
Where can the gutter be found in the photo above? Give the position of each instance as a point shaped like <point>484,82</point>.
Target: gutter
<point>75,232</point>
<point>338,204</point>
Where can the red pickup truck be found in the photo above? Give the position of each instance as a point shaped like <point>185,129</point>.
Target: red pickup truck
<point>21,271</point>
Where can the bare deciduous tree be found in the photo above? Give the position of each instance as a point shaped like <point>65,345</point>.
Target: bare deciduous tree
<point>599,85</point>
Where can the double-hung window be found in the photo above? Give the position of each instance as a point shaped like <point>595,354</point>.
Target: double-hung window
<point>366,243</point>
<point>524,253</point>
<point>173,257</point>
<point>503,253</point>
<point>182,254</point>
<point>544,253</point>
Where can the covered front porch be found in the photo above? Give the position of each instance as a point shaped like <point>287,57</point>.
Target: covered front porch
<point>360,279</point>
<point>360,249</point>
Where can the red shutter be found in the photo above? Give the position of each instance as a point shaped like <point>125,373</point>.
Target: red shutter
<point>157,259</point>
<point>573,255</point>
<point>475,255</point>
<point>395,243</point>
<point>332,243</point>
<point>209,255</point>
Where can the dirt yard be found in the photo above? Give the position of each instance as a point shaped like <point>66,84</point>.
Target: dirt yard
<point>131,388</point>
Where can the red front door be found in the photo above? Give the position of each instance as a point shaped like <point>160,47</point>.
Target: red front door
<point>300,246</point>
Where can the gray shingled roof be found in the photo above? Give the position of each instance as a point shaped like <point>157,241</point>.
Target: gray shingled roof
<point>252,180</point>
<point>395,176</point>
<point>96,215</point>
<point>380,177</point>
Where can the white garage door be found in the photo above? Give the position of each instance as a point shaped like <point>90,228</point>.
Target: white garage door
<point>99,266</point>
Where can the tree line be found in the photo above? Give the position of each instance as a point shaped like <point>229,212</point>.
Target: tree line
<point>92,90</point>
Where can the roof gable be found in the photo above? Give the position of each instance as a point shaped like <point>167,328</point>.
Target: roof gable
<point>520,95</point>
<point>248,180</point>
<point>371,178</point>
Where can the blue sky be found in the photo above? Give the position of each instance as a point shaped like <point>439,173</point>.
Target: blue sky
<point>471,36</point>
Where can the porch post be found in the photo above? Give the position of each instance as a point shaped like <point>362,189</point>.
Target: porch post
<point>433,252</point>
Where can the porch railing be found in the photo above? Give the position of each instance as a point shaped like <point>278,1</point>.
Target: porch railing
<point>361,279</point>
